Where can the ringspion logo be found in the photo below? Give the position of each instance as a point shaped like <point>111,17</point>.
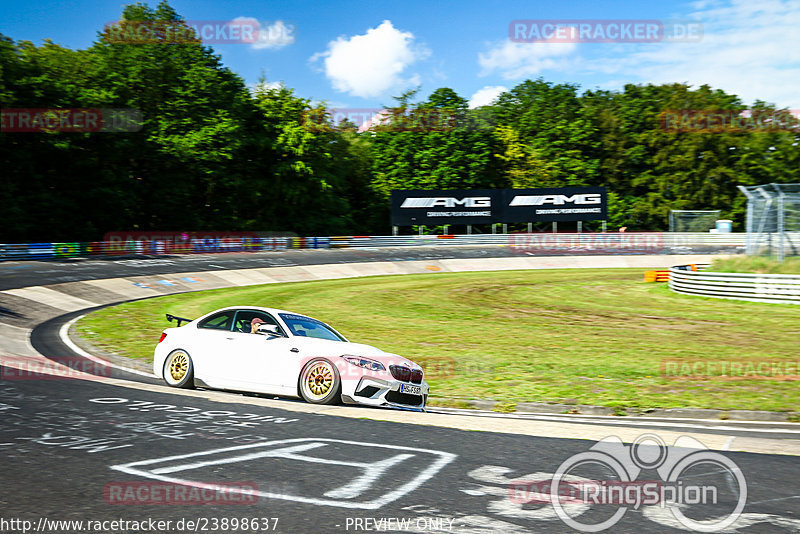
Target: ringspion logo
<point>702,490</point>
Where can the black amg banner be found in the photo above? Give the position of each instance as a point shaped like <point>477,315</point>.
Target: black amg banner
<point>484,206</point>
<point>556,204</point>
<point>452,206</point>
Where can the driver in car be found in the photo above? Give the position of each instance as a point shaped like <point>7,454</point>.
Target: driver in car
<point>254,324</point>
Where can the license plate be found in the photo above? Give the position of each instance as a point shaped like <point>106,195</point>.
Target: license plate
<point>411,390</point>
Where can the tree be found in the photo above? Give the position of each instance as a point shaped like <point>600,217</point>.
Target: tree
<point>185,164</point>
<point>432,145</point>
<point>551,120</point>
<point>301,178</point>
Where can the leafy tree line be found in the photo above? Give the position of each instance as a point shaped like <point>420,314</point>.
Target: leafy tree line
<point>215,155</point>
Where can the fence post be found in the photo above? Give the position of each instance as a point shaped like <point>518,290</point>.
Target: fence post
<point>780,226</point>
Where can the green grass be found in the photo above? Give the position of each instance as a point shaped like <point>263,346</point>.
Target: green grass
<point>756,264</point>
<point>573,336</point>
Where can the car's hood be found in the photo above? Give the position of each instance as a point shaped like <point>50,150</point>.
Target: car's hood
<point>324,347</point>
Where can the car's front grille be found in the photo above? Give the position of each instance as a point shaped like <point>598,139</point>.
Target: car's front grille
<point>404,398</point>
<point>404,374</point>
<point>400,372</point>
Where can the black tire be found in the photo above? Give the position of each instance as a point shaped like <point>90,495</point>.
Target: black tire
<point>178,370</point>
<point>320,383</point>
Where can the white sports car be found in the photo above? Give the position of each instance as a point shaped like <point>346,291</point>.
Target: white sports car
<point>265,350</point>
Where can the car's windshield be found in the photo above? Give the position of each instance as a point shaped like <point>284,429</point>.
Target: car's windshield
<point>306,326</point>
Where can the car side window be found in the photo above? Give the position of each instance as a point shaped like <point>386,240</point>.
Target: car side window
<point>244,320</point>
<point>308,327</point>
<point>218,321</point>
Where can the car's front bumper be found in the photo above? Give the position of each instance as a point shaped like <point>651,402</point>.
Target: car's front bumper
<point>372,391</point>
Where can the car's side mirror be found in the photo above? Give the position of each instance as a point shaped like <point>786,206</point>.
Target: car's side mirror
<point>270,330</point>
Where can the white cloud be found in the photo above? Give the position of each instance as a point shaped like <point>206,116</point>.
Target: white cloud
<point>485,96</point>
<point>520,60</point>
<point>276,36</point>
<point>371,64</point>
<point>751,49</point>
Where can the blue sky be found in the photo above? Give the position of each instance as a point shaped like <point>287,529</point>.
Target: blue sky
<point>360,54</point>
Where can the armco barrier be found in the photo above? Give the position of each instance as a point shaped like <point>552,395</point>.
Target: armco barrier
<point>520,243</point>
<point>775,288</point>
<point>585,243</point>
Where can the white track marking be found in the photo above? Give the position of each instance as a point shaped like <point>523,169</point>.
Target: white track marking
<point>370,471</point>
<point>593,418</point>
<point>625,421</point>
<point>774,500</point>
<point>663,516</point>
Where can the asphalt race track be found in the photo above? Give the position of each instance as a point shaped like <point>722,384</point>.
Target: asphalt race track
<point>132,451</point>
<point>64,443</point>
<point>21,274</point>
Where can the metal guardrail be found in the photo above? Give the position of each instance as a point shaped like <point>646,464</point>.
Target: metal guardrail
<point>775,288</point>
<point>521,243</point>
<point>646,241</point>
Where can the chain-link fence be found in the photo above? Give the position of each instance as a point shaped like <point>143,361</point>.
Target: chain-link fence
<point>773,219</point>
<point>692,220</point>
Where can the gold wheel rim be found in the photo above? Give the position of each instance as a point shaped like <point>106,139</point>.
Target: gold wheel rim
<point>178,366</point>
<point>319,380</point>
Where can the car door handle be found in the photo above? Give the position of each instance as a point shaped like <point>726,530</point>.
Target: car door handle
<point>294,349</point>
<point>229,338</point>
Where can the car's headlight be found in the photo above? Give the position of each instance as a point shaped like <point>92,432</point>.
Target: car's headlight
<point>366,363</point>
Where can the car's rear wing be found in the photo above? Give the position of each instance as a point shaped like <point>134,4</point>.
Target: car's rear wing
<point>180,320</point>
